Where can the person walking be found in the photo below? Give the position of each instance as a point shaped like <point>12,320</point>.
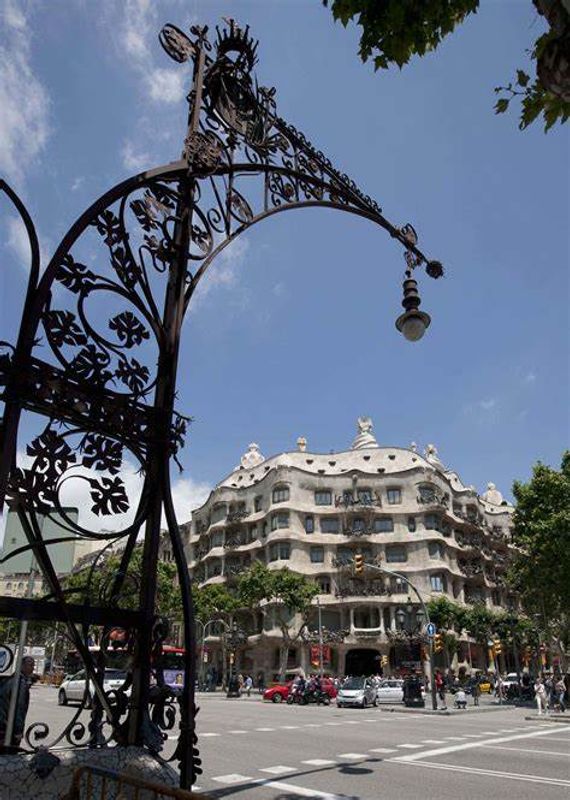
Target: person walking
<point>540,695</point>
<point>22,685</point>
<point>476,692</point>
<point>248,685</point>
<point>560,689</point>
<point>440,688</point>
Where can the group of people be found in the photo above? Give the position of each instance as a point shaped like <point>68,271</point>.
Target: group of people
<point>550,693</point>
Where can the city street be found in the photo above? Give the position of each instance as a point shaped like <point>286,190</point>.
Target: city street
<point>263,751</point>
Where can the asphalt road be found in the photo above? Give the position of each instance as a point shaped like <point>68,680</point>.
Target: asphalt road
<point>259,751</point>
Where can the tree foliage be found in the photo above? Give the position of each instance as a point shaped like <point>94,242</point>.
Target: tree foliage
<point>214,601</point>
<point>540,572</point>
<point>392,31</point>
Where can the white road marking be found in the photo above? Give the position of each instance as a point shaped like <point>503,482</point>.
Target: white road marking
<point>352,755</point>
<point>470,745</point>
<point>383,750</point>
<point>300,790</point>
<point>333,723</point>
<point>410,746</point>
<point>265,729</point>
<point>353,722</point>
<point>233,777</point>
<point>434,741</point>
<point>204,735</point>
<point>509,730</point>
<point>319,762</point>
<point>494,773</point>
<point>279,769</point>
<point>472,735</point>
<point>530,750</point>
<point>236,731</point>
<point>313,724</point>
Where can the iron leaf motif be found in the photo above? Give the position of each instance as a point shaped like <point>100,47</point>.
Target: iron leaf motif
<point>51,452</point>
<point>132,374</point>
<point>89,365</point>
<point>63,329</point>
<point>74,275</point>
<point>101,453</point>
<point>128,328</point>
<point>109,496</point>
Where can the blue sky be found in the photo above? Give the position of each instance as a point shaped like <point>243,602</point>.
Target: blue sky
<point>293,332</point>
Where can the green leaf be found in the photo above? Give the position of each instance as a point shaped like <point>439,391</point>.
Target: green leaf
<point>501,105</point>
<point>522,78</point>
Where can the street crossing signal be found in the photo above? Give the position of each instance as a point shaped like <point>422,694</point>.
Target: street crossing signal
<point>498,647</point>
<point>358,564</point>
<point>438,643</point>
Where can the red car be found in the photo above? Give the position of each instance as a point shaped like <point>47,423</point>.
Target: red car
<point>280,692</point>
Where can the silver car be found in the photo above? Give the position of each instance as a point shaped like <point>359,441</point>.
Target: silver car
<point>357,692</point>
<point>73,687</point>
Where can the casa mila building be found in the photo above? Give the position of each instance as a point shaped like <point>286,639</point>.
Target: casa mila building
<point>313,512</point>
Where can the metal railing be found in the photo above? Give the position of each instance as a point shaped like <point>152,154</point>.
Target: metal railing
<point>98,783</point>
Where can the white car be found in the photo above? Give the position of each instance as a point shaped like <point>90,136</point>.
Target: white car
<point>390,691</point>
<point>73,687</point>
<point>510,680</point>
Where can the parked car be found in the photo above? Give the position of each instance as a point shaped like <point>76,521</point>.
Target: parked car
<point>280,692</point>
<point>73,687</point>
<point>390,691</point>
<point>359,692</point>
<point>511,680</point>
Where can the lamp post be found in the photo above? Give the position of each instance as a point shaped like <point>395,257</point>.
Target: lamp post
<point>234,638</point>
<point>422,614</point>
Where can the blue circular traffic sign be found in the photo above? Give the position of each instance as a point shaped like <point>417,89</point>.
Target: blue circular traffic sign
<point>430,629</point>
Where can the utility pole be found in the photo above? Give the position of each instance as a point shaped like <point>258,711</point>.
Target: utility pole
<point>320,639</point>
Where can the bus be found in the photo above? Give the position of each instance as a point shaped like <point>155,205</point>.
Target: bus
<point>172,662</point>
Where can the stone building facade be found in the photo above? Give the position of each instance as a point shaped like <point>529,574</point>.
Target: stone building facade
<point>312,513</point>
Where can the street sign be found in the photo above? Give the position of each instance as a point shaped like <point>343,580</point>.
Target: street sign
<point>6,658</point>
<point>430,629</point>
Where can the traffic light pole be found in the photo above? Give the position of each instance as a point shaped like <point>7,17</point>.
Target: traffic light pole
<point>406,580</point>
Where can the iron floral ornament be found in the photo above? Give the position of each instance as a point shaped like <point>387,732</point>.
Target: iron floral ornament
<point>94,369</point>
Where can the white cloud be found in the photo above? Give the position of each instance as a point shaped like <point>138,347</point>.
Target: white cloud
<point>529,378</point>
<point>487,405</point>
<point>166,85</point>
<point>135,33</point>
<point>225,268</point>
<point>77,183</point>
<point>18,243</point>
<point>24,101</point>
<point>134,160</point>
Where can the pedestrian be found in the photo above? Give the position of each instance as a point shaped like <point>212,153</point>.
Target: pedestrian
<point>22,684</point>
<point>540,695</point>
<point>476,692</point>
<point>440,688</point>
<point>560,688</point>
<point>248,684</point>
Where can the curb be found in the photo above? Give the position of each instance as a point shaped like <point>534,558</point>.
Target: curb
<point>550,718</point>
<point>448,712</point>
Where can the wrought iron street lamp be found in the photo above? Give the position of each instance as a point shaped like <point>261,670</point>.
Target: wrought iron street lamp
<point>103,392</point>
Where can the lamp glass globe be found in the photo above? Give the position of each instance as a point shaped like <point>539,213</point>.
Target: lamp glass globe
<point>413,328</point>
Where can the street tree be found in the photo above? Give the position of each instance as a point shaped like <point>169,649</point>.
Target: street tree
<point>214,601</point>
<point>392,31</point>
<point>540,572</point>
<point>283,593</point>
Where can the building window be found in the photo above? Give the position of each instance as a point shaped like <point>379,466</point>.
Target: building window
<point>396,553</point>
<point>219,512</point>
<point>432,522</point>
<point>323,497</point>
<point>279,521</point>
<point>394,496</point>
<point>252,533</point>
<point>383,525</point>
<point>317,555</point>
<point>281,551</point>
<point>280,494</point>
<point>412,524</point>
<point>427,494</point>
<point>330,525</point>
<point>437,582</point>
<point>435,550</point>
<point>257,503</point>
<point>357,525</point>
<point>309,524</point>
<point>217,539</point>
<point>324,585</point>
<point>365,497</point>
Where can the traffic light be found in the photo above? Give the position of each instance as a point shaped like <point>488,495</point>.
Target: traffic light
<point>438,643</point>
<point>358,564</point>
<point>497,646</point>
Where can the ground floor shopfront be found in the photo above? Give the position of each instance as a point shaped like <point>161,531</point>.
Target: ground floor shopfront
<point>353,656</point>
